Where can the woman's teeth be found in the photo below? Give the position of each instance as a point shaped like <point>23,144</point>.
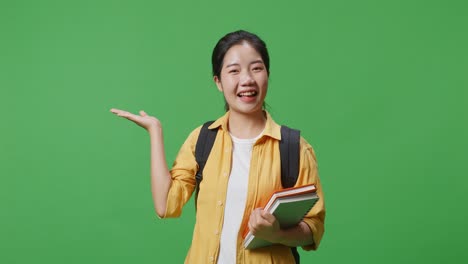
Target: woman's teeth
<point>250,93</point>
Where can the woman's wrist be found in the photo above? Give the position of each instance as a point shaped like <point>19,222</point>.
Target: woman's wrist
<point>281,237</point>
<point>154,129</point>
<point>295,236</point>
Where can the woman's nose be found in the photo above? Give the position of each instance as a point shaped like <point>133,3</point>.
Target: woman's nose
<point>246,79</point>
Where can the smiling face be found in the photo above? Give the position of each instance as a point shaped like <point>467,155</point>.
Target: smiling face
<point>243,79</point>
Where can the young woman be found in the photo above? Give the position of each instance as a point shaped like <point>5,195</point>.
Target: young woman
<point>243,168</point>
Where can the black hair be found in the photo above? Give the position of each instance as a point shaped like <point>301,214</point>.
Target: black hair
<point>236,38</point>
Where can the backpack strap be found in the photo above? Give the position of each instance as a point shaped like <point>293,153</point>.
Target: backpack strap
<point>289,152</point>
<point>203,148</point>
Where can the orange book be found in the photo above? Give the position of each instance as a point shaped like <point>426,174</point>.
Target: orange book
<point>289,206</point>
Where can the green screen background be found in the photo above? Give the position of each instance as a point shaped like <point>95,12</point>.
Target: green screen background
<point>379,88</point>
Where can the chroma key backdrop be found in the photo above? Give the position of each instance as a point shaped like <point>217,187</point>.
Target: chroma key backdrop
<point>378,88</point>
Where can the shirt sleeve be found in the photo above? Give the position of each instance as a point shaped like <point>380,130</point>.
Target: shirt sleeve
<point>308,174</point>
<point>183,176</point>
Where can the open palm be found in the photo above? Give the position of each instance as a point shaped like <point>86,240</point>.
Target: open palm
<point>144,120</point>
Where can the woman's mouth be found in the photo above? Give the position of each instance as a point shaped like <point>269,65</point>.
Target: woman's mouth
<point>247,94</point>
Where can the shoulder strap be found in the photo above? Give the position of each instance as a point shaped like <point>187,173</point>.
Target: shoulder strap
<point>203,148</point>
<point>289,152</point>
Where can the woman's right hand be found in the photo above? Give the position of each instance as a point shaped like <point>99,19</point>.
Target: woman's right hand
<point>144,120</point>
<point>160,176</point>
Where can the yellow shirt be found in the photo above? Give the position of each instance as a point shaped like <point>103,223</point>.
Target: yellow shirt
<point>264,178</point>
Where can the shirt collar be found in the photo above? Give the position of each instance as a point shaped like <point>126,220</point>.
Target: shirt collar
<point>272,129</point>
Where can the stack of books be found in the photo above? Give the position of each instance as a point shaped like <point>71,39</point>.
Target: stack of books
<point>289,206</point>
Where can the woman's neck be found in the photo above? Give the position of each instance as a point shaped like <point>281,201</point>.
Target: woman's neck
<point>246,125</point>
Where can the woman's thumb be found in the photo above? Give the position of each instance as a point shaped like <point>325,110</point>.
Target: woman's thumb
<point>142,113</point>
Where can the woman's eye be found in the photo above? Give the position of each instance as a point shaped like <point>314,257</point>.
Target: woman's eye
<point>258,68</point>
<point>234,71</point>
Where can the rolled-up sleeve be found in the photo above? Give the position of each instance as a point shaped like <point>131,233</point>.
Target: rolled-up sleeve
<point>183,176</point>
<point>308,174</point>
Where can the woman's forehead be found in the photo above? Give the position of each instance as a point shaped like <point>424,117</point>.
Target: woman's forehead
<point>242,53</point>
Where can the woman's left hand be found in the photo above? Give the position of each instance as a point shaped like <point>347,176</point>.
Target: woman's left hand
<point>264,225</point>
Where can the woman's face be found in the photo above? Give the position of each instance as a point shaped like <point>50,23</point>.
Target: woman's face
<point>244,79</point>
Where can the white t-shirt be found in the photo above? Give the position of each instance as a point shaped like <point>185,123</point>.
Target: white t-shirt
<point>235,198</point>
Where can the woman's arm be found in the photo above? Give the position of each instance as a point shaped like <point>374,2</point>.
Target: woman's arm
<point>160,176</point>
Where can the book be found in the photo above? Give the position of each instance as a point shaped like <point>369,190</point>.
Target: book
<point>289,206</point>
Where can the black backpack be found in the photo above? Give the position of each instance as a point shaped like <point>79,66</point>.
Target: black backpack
<point>289,153</point>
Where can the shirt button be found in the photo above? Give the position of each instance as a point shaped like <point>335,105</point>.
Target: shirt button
<point>216,232</point>
<point>225,174</point>
<point>211,259</point>
<point>220,203</point>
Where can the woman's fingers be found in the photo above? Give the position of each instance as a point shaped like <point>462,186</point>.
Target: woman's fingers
<point>143,119</point>
<point>251,228</point>
<point>125,114</point>
<point>256,218</point>
<point>268,217</point>
<point>119,112</point>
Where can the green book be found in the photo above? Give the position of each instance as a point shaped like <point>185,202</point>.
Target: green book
<point>289,206</point>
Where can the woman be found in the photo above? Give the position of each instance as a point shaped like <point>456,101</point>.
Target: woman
<point>243,168</point>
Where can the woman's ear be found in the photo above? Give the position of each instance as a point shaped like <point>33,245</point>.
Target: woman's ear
<point>218,83</point>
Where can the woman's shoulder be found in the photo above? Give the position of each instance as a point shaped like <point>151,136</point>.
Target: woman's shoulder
<point>195,133</point>
<point>304,143</point>
<point>306,148</point>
